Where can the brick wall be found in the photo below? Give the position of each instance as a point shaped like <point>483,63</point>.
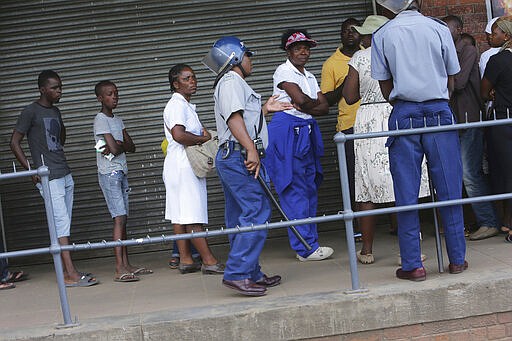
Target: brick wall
<point>472,12</point>
<point>497,326</point>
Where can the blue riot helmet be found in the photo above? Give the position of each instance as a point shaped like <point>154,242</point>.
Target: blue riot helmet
<point>225,53</point>
<point>395,6</point>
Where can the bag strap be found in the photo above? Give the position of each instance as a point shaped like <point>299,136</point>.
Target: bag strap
<point>260,125</point>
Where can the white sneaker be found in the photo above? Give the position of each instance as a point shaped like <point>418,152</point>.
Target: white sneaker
<point>321,253</point>
<point>399,259</point>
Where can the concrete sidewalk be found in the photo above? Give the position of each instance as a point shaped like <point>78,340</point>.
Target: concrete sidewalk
<point>310,302</point>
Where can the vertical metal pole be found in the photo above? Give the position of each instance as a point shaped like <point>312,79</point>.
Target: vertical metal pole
<point>439,245</point>
<point>55,246</point>
<point>340,139</point>
<point>2,226</point>
<point>488,6</point>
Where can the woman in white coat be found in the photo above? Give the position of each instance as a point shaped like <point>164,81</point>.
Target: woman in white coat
<point>186,197</point>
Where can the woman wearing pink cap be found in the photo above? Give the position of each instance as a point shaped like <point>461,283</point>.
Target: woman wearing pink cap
<point>295,143</point>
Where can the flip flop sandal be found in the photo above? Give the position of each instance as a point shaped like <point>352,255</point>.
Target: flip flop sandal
<point>88,274</point>
<point>365,259</point>
<point>83,273</point>
<point>126,277</point>
<point>508,238</point>
<point>143,271</point>
<point>16,276</point>
<point>174,262</point>
<point>83,281</point>
<point>7,285</point>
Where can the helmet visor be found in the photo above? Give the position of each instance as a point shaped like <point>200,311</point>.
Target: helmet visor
<point>395,6</point>
<point>217,60</point>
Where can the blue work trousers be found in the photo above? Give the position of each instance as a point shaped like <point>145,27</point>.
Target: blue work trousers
<point>442,151</point>
<point>246,204</point>
<point>475,182</point>
<point>300,200</point>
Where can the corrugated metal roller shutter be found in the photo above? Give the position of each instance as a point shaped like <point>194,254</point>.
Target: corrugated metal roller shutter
<point>134,43</point>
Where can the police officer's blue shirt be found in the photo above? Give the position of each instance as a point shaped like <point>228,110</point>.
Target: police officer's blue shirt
<point>233,94</point>
<point>418,53</point>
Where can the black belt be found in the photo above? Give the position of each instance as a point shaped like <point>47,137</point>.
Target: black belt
<point>229,146</point>
<point>116,172</point>
<point>232,145</point>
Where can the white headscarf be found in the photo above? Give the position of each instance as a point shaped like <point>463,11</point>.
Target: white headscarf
<point>488,28</point>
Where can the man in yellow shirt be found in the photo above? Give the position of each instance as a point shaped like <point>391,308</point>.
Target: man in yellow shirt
<point>334,71</point>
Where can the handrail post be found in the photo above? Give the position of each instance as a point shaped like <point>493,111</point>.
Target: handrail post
<point>340,139</point>
<point>55,249</point>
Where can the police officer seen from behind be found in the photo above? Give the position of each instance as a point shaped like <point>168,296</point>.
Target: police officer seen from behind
<point>242,132</point>
<point>414,59</point>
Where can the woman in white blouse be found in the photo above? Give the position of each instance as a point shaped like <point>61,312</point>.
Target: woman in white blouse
<point>295,142</point>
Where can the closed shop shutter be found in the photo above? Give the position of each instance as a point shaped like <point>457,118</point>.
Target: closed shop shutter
<point>134,43</point>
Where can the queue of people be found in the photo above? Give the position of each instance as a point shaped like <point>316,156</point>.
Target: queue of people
<point>376,83</point>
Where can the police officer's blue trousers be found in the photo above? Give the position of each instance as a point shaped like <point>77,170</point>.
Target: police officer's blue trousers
<point>442,151</point>
<point>245,204</point>
<point>300,200</point>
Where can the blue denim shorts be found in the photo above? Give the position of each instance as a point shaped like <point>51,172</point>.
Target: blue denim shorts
<point>61,191</point>
<point>115,190</point>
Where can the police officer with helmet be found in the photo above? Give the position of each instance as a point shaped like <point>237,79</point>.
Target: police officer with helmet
<point>240,123</point>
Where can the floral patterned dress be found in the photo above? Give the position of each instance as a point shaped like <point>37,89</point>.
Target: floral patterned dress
<point>373,182</point>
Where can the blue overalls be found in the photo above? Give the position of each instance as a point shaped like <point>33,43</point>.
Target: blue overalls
<point>293,163</point>
<point>246,204</point>
<point>442,151</point>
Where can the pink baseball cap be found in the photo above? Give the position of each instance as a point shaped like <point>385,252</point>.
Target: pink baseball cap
<point>298,37</point>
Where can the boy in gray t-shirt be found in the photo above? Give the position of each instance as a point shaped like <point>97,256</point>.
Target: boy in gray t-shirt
<point>115,141</point>
<point>41,121</point>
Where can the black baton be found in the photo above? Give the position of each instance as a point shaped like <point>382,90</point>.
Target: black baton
<point>276,204</point>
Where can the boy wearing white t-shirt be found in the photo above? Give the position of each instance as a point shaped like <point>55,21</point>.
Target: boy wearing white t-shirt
<point>112,142</point>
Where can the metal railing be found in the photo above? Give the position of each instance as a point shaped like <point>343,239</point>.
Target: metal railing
<point>54,249</point>
<point>347,215</point>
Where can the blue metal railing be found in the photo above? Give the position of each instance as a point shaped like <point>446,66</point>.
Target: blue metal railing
<point>346,215</point>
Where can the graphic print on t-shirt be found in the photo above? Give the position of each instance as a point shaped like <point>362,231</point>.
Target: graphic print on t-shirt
<point>52,132</point>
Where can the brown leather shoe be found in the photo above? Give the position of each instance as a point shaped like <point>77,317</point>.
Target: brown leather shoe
<point>246,287</point>
<point>269,281</point>
<point>416,275</point>
<point>457,269</point>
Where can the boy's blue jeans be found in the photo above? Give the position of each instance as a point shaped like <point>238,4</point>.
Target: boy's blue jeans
<point>61,192</point>
<point>442,151</point>
<point>115,190</point>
